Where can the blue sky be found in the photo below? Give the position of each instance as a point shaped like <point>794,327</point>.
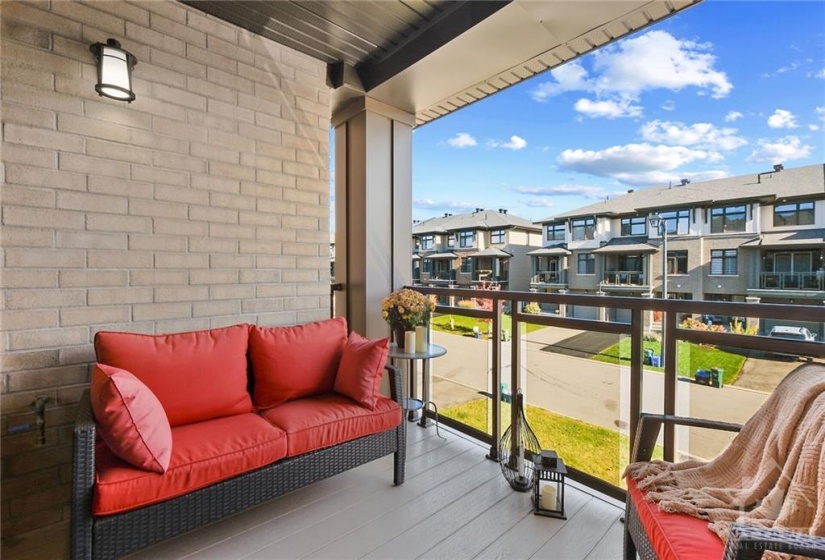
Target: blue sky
<point>725,88</point>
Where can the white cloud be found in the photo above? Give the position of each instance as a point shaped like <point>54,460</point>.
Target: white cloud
<point>661,178</point>
<point>609,108</point>
<point>700,135</point>
<point>462,140</point>
<point>564,190</point>
<point>820,74</point>
<point>782,119</point>
<point>820,112</point>
<point>539,203</point>
<point>813,127</point>
<point>669,105</point>
<point>569,77</point>
<point>429,204</point>
<point>653,60</point>
<point>658,60</point>
<point>634,164</point>
<point>515,143</point>
<point>733,116</point>
<point>780,151</point>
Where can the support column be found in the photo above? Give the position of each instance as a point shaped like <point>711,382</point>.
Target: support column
<point>752,322</point>
<point>373,209</point>
<point>648,316</point>
<point>563,306</point>
<point>602,309</point>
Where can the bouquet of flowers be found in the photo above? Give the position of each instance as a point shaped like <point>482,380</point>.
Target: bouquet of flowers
<point>406,309</point>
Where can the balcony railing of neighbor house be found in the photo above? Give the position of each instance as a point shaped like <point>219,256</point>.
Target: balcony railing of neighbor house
<point>548,277</point>
<point>792,281</point>
<point>587,404</point>
<point>489,276</point>
<point>624,278</point>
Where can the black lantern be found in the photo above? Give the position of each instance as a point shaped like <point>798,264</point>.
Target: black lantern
<point>114,71</point>
<point>548,489</point>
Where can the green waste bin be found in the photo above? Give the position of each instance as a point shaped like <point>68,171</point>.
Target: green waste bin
<point>717,377</point>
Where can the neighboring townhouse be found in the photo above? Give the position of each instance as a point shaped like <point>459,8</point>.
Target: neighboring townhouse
<point>485,247</point>
<point>753,238</point>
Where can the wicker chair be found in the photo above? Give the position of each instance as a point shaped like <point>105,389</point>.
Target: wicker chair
<point>745,542</point>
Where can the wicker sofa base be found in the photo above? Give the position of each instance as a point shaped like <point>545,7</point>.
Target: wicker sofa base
<point>116,535</point>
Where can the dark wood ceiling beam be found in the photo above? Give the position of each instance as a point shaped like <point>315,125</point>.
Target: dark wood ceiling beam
<point>458,18</point>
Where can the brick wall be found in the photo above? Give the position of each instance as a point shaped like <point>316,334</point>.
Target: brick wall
<point>203,203</point>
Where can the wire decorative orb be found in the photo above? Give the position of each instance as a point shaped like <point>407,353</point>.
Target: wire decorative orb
<point>517,448</point>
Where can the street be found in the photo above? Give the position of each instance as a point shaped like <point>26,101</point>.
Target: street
<point>584,389</point>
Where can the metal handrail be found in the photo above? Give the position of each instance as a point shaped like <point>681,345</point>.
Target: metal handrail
<point>671,309</point>
<point>792,281</point>
<point>624,278</point>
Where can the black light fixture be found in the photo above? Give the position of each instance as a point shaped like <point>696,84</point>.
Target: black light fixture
<point>114,71</point>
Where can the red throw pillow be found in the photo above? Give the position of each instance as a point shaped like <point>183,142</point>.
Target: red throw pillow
<point>197,376</point>
<point>359,375</point>
<point>293,362</point>
<point>131,419</point>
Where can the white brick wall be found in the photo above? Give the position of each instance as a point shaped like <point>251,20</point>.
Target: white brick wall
<point>203,203</point>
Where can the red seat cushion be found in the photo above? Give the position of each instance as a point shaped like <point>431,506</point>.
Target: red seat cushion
<point>675,536</point>
<point>196,376</point>
<point>202,454</point>
<point>317,422</point>
<point>293,362</point>
<point>131,419</point>
<point>361,368</point>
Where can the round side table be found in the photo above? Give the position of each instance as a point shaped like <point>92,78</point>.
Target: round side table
<point>413,404</point>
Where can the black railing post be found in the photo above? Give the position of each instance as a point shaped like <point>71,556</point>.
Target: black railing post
<point>669,334</point>
<point>495,390</point>
<point>637,341</point>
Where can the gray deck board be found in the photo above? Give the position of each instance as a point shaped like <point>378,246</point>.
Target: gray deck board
<point>454,504</point>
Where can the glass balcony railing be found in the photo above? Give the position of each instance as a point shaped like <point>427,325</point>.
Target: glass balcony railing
<point>548,277</point>
<point>792,281</point>
<point>587,376</point>
<point>624,278</point>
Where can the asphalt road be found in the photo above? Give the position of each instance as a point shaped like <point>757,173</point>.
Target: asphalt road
<point>584,389</point>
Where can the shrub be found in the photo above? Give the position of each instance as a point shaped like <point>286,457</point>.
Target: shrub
<point>532,308</point>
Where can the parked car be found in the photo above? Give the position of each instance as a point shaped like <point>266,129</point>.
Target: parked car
<point>792,333</point>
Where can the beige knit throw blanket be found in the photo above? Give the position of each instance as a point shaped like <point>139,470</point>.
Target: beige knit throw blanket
<point>772,474</point>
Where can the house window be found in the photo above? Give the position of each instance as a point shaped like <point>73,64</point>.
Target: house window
<point>466,264</point>
<point>586,263</point>
<point>427,242</point>
<point>793,214</point>
<point>727,219</point>
<point>451,240</point>
<point>466,239</point>
<point>555,232</point>
<point>584,228</point>
<point>677,262</point>
<point>428,266</point>
<point>497,236</point>
<point>724,262</point>
<point>677,222</point>
<point>634,226</point>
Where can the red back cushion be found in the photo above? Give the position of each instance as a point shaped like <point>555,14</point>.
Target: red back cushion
<point>362,364</point>
<point>196,375</point>
<point>131,419</point>
<point>293,362</point>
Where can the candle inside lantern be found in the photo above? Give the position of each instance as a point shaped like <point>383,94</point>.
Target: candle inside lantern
<point>520,463</point>
<point>409,341</point>
<point>548,497</point>
<point>421,339</point>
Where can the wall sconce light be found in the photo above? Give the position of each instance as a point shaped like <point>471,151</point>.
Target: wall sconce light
<point>114,71</point>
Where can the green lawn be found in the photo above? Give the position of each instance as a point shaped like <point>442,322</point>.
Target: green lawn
<point>587,447</point>
<point>464,325</point>
<point>691,357</point>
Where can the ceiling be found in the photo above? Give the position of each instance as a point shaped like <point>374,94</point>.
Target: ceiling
<point>432,57</point>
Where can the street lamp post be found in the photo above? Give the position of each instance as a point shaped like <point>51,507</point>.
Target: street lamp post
<point>657,223</point>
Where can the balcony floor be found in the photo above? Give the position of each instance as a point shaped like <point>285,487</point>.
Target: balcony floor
<point>454,504</point>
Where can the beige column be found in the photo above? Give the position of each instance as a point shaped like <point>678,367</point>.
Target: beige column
<point>752,322</point>
<point>373,209</point>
